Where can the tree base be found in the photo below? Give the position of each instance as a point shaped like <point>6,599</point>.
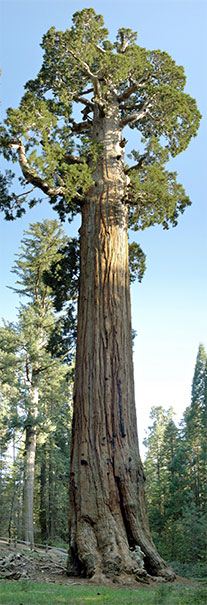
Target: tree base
<point>117,571</point>
<point>125,579</point>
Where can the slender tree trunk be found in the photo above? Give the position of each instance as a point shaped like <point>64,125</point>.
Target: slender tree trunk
<point>43,496</point>
<point>51,513</point>
<point>107,504</point>
<point>29,469</point>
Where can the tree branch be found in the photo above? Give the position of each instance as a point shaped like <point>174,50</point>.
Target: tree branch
<point>101,49</point>
<point>136,116</point>
<point>31,176</point>
<point>83,63</point>
<point>23,194</point>
<point>128,92</point>
<point>131,89</point>
<point>80,126</point>
<point>86,92</point>
<point>94,77</point>
<point>85,101</point>
<point>71,159</point>
<point>138,165</point>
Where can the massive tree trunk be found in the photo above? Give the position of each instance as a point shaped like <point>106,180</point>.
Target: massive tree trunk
<point>29,469</point>
<point>107,509</point>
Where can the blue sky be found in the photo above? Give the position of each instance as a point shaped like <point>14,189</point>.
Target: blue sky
<point>169,307</point>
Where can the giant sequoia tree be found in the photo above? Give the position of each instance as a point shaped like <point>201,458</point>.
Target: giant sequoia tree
<point>67,136</point>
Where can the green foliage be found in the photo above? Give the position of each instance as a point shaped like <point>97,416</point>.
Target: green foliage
<point>52,464</point>
<point>176,594</point>
<point>176,477</point>
<point>137,262</point>
<point>81,66</point>
<point>195,428</point>
<point>63,275</point>
<point>157,197</point>
<point>27,360</point>
<point>10,203</point>
<point>39,247</point>
<point>9,383</point>
<point>194,569</point>
<point>156,468</point>
<point>163,197</point>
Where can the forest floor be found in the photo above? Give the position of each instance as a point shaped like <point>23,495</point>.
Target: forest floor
<point>32,567</point>
<point>19,562</point>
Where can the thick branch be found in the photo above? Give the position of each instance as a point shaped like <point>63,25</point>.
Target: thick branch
<point>101,49</point>
<point>80,126</point>
<point>124,43</point>
<point>127,92</point>
<point>32,176</point>
<point>136,116</point>
<point>71,159</point>
<point>86,92</point>
<point>85,101</point>
<point>131,106</point>
<point>130,90</point>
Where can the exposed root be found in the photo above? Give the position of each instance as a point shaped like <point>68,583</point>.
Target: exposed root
<point>105,556</point>
<point>100,578</point>
<point>166,574</point>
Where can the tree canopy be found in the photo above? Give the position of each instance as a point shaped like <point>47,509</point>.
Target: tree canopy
<point>51,133</point>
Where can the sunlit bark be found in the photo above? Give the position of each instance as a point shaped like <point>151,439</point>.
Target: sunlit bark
<point>107,510</point>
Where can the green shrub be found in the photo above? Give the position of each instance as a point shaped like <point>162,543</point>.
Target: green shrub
<point>190,570</point>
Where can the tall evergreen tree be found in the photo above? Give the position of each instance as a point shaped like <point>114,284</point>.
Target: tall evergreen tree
<point>53,443</point>
<point>194,468</point>
<point>28,346</point>
<point>156,470</point>
<point>176,477</point>
<point>10,469</point>
<point>80,166</point>
<point>195,431</point>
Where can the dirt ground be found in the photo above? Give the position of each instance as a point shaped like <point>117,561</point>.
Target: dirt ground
<point>18,562</point>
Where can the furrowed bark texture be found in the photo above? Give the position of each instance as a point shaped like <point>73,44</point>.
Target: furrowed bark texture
<point>107,509</point>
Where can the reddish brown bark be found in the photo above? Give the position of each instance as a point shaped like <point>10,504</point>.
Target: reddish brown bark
<point>107,509</point>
